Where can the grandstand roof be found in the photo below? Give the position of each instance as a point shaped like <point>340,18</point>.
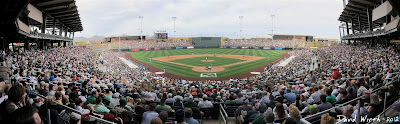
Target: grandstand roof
<point>355,8</point>
<point>64,11</point>
<point>292,35</point>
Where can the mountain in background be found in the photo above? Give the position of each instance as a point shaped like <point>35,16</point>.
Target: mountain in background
<point>93,38</point>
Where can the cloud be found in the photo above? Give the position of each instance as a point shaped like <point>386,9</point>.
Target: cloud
<point>210,17</point>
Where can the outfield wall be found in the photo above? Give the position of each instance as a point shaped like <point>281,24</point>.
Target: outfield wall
<point>191,47</point>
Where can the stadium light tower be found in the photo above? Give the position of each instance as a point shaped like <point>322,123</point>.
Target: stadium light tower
<point>272,26</point>
<point>241,19</point>
<point>174,18</point>
<point>141,28</point>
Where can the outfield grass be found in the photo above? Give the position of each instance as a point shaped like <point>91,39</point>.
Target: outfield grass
<point>269,55</point>
<point>218,61</point>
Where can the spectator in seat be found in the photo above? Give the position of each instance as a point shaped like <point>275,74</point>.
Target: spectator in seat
<point>346,111</point>
<point>139,107</point>
<point>79,104</point>
<point>16,98</point>
<point>291,97</point>
<point>178,102</point>
<point>100,108</point>
<point>83,96</point>
<point>374,103</point>
<point>295,113</point>
<point>170,99</point>
<point>269,117</point>
<point>163,107</point>
<point>335,74</point>
<point>205,103</point>
<point>290,120</point>
<point>92,98</point>
<point>326,119</point>
<point>188,116</point>
<point>163,116</point>
<point>156,120</point>
<point>329,97</point>
<point>25,115</point>
<point>324,105</point>
<point>58,97</point>
<point>343,97</point>
<point>147,116</point>
<point>240,99</point>
<point>180,117</point>
<point>360,89</point>
<point>230,100</point>
<point>280,112</point>
<point>312,109</point>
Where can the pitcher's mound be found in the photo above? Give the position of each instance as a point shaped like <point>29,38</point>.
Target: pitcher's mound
<point>207,60</point>
<point>203,69</point>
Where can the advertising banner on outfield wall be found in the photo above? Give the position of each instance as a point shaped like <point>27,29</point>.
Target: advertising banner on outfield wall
<point>266,48</point>
<point>135,50</point>
<point>224,47</point>
<point>278,48</point>
<point>178,47</point>
<point>157,48</point>
<point>245,47</point>
<point>234,47</point>
<point>167,48</point>
<point>190,47</point>
<point>256,47</point>
<point>147,49</point>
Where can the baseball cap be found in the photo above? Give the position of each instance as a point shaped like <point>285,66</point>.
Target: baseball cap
<point>179,113</point>
<point>312,108</point>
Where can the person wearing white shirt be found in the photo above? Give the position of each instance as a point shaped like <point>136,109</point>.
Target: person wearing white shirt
<point>205,103</point>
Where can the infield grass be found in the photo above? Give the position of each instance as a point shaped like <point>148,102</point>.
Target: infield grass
<point>230,71</point>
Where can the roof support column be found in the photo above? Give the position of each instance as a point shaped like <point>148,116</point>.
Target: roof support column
<point>61,29</point>
<point>59,43</point>
<point>348,32</point>
<point>43,28</point>
<point>66,30</point>
<point>359,22</point>
<point>65,43</point>
<point>352,26</point>
<point>370,23</point>
<point>340,34</point>
<point>54,26</point>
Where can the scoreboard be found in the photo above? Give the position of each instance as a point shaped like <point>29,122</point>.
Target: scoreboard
<point>161,34</point>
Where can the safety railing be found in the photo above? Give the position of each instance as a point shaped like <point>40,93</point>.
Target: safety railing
<point>358,99</point>
<point>223,114</point>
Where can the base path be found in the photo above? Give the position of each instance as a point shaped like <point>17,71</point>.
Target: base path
<point>174,76</point>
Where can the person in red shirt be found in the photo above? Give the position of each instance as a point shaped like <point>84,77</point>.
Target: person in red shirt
<point>335,73</point>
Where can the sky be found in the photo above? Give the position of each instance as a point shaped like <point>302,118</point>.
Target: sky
<point>210,17</point>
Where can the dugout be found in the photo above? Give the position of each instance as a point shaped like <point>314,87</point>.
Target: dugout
<point>207,42</point>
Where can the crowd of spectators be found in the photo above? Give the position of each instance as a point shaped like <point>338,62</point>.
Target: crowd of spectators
<point>69,76</point>
<point>261,43</point>
<point>137,44</point>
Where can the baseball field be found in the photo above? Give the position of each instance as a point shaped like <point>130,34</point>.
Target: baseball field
<point>221,63</point>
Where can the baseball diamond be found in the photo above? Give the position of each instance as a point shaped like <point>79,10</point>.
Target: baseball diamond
<point>223,62</point>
